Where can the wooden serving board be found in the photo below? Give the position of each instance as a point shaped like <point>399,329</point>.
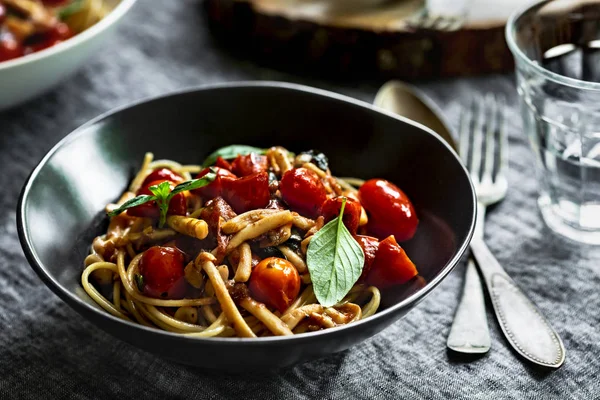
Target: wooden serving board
<point>381,41</point>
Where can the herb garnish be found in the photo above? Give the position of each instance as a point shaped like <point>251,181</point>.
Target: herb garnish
<point>139,281</point>
<point>230,152</point>
<point>163,195</point>
<point>335,261</point>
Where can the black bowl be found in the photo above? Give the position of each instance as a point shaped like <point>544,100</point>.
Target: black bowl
<point>60,209</point>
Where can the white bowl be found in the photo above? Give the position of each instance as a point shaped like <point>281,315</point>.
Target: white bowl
<point>26,77</point>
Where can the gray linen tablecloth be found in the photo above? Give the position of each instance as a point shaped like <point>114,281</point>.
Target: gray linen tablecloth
<point>49,351</point>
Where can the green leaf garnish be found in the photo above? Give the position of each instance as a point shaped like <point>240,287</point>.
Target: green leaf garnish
<point>335,261</point>
<point>162,190</point>
<point>163,195</point>
<point>230,152</point>
<point>136,201</point>
<point>194,184</point>
<point>70,9</point>
<point>139,281</point>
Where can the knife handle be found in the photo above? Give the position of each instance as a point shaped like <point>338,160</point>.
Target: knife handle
<point>523,324</point>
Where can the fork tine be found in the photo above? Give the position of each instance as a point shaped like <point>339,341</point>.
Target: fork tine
<point>503,139</point>
<point>475,166</point>
<point>466,118</point>
<point>488,170</point>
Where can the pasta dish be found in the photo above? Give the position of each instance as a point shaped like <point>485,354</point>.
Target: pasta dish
<point>27,26</point>
<point>253,242</point>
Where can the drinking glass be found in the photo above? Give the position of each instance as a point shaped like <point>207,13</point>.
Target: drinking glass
<point>556,46</point>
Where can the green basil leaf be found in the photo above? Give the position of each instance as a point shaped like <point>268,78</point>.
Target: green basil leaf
<point>136,201</point>
<point>335,261</point>
<point>162,190</point>
<point>163,207</point>
<point>230,152</point>
<point>193,184</point>
<point>70,9</point>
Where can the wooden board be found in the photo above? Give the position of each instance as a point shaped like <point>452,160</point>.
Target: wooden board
<point>379,41</point>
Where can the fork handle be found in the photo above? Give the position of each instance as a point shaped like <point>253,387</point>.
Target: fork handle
<point>523,324</point>
<point>469,332</point>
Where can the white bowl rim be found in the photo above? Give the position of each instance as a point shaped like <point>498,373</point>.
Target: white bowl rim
<point>112,17</point>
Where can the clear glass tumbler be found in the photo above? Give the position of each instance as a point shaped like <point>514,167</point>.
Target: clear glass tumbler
<point>556,46</point>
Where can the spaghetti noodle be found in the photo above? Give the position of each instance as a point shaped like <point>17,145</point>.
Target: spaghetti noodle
<point>225,266</point>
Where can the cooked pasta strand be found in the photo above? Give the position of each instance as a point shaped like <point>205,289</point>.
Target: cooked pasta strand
<point>144,171</point>
<point>271,321</point>
<point>293,318</point>
<point>244,267</point>
<point>94,294</point>
<point>241,221</point>
<point>259,227</point>
<point>187,314</point>
<point>315,169</point>
<point>302,222</point>
<point>294,258</point>
<point>227,304</point>
<point>188,226</point>
<point>127,279</point>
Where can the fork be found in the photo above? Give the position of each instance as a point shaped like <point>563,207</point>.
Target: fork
<point>436,15</point>
<point>522,323</point>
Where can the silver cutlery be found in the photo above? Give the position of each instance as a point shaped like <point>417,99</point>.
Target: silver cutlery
<point>524,326</point>
<point>522,323</point>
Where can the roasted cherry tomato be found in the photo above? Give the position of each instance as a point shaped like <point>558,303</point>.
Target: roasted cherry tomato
<point>215,188</point>
<point>303,191</point>
<point>369,245</point>
<point>58,33</point>
<point>177,205</point>
<point>331,209</point>
<point>162,270</point>
<point>9,47</point>
<point>223,163</point>
<point>163,174</point>
<point>391,265</point>
<point>249,164</point>
<point>247,193</point>
<point>275,282</point>
<point>390,210</point>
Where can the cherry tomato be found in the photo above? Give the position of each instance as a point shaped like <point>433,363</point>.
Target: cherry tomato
<point>369,246</point>
<point>390,210</point>
<point>162,269</point>
<point>177,205</point>
<point>331,209</point>
<point>215,188</point>
<point>249,164</point>
<point>275,282</point>
<point>247,193</point>
<point>223,163</point>
<point>163,174</point>
<point>9,47</point>
<point>303,191</point>
<point>57,34</point>
<point>391,265</point>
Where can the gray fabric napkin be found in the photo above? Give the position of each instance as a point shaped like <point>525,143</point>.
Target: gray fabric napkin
<point>48,351</point>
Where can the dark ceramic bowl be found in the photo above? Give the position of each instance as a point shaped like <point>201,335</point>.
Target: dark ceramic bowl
<point>61,206</point>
